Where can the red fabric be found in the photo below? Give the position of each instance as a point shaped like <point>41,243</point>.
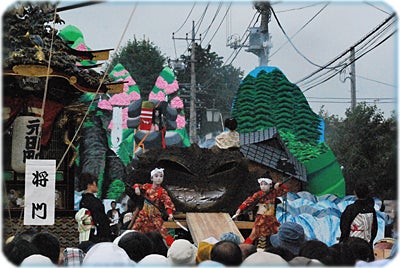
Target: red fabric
<point>51,110</point>
<point>146,117</point>
<point>169,239</point>
<point>248,241</point>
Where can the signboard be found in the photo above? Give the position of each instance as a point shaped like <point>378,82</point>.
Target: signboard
<point>40,186</point>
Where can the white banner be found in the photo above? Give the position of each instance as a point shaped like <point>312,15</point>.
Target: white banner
<point>40,186</point>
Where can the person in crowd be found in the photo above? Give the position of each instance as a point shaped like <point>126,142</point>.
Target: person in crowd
<point>85,245</point>
<point>247,249</point>
<point>48,245</point>
<point>230,236</point>
<point>159,244</point>
<point>114,216</point>
<point>130,214</point>
<point>182,253</point>
<point>106,254</point>
<point>318,250</point>
<point>101,231</point>
<point>72,256</point>
<point>153,260</point>
<point>290,236</point>
<point>37,260</point>
<point>285,253</point>
<point>264,258</point>
<point>226,252</point>
<point>355,249</point>
<point>137,245</point>
<point>229,139</point>
<point>18,249</point>
<point>359,219</point>
<point>156,202</point>
<point>265,223</point>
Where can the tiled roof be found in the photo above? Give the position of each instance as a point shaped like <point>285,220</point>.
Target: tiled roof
<point>259,147</point>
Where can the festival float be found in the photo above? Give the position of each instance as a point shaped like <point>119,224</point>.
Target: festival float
<point>102,124</point>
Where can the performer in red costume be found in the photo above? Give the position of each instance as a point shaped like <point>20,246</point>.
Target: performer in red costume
<point>156,201</point>
<point>266,223</point>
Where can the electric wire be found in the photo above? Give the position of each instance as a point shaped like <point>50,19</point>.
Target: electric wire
<point>323,68</point>
<point>187,17</point>
<point>290,41</point>
<point>302,27</point>
<point>219,26</point>
<point>205,32</point>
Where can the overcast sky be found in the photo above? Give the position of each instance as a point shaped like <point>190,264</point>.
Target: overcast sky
<point>319,33</point>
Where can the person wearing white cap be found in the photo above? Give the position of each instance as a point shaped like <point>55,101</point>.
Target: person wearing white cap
<point>156,202</point>
<point>265,223</point>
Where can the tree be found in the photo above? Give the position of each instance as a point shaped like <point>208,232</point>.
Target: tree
<point>365,143</point>
<point>217,83</point>
<point>143,60</point>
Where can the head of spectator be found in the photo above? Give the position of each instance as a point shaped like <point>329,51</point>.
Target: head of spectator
<point>86,245</point>
<point>48,245</point>
<point>230,236</point>
<point>290,235</point>
<point>73,256</point>
<point>230,123</point>
<point>159,244</point>
<point>247,249</point>
<point>203,251</point>
<point>106,254</point>
<point>318,250</point>
<point>226,252</point>
<point>264,258</point>
<point>136,244</point>
<point>210,263</point>
<point>285,253</point>
<point>116,240</point>
<point>37,260</point>
<point>182,252</point>
<point>154,260</point>
<point>355,249</point>
<point>18,249</point>
<point>304,261</point>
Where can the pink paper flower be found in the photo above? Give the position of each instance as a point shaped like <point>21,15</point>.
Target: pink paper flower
<point>120,99</point>
<point>177,103</point>
<point>171,88</point>
<point>121,73</point>
<point>160,96</point>
<point>105,105</point>
<point>133,96</point>
<point>180,121</point>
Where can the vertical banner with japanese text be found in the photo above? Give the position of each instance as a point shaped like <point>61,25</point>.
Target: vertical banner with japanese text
<point>40,186</point>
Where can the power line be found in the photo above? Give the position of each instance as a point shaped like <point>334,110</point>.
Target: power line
<point>290,41</point>
<point>226,12</point>
<point>205,32</point>
<point>187,17</point>
<point>309,21</point>
<point>323,68</point>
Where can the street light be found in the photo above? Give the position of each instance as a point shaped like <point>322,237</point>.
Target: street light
<point>214,115</point>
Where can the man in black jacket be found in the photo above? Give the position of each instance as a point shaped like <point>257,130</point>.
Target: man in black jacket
<point>359,219</point>
<point>101,232</point>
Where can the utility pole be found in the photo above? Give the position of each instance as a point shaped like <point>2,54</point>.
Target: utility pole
<point>193,115</point>
<point>259,37</point>
<point>353,79</point>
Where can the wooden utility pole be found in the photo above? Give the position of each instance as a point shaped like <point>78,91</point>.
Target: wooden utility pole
<point>193,116</point>
<point>353,79</point>
<point>193,86</point>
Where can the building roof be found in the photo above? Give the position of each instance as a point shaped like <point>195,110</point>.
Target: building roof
<point>266,147</point>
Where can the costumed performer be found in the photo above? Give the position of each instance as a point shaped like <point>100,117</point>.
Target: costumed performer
<point>156,201</point>
<point>266,222</point>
